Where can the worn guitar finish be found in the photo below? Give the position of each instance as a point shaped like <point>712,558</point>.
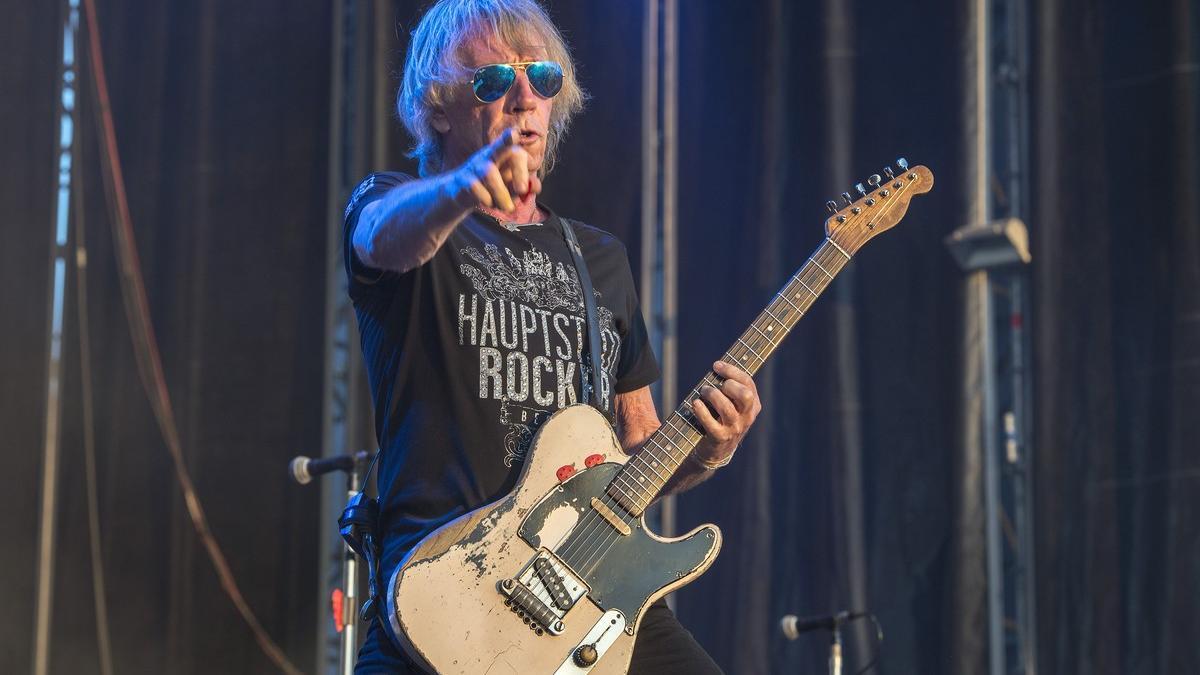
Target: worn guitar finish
<point>445,600</point>
<point>556,576</point>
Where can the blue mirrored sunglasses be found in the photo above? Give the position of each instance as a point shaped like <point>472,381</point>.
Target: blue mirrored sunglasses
<point>491,82</point>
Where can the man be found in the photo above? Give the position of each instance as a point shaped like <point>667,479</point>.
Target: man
<point>469,304</point>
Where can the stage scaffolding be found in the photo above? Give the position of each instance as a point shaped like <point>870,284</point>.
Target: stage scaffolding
<point>996,468</point>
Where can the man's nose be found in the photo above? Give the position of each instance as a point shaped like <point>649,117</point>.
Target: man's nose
<point>522,95</point>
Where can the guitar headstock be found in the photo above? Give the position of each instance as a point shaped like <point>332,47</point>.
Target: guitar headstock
<point>879,210</point>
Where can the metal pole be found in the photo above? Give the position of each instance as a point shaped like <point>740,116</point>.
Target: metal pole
<point>659,176</point>
<point>44,603</point>
<point>338,347</point>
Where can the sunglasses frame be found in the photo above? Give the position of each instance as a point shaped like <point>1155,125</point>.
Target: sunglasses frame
<point>521,66</point>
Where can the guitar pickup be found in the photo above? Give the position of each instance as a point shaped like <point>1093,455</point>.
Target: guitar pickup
<point>543,592</point>
<point>553,583</point>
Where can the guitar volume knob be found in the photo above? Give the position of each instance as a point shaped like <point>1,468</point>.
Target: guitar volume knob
<point>585,656</point>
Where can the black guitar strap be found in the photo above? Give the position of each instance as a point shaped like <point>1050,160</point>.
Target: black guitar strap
<point>359,520</point>
<point>591,391</point>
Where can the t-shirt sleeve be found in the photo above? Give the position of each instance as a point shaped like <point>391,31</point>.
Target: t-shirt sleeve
<point>371,188</point>
<point>637,367</point>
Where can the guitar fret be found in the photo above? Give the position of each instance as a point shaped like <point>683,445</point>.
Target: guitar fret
<point>626,485</point>
<point>681,432</point>
<point>839,248</point>
<point>785,299</point>
<point>814,261</point>
<point>656,461</point>
<point>765,336</point>
<point>810,291</point>
<point>768,312</point>
<point>670,451</point>
<point>632,466</point>
<point>749,349</point>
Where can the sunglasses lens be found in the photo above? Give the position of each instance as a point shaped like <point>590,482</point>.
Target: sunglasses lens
<point>492,82</point>
<point>546,77</point>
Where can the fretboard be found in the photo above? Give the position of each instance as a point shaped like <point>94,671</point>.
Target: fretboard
<point>647,472</point>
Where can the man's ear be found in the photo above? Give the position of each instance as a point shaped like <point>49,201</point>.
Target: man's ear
<point>439,121</point>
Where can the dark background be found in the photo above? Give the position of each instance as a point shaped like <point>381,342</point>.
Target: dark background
<point>222,112</point>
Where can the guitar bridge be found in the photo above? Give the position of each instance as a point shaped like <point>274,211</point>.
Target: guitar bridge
<point>543,592</point>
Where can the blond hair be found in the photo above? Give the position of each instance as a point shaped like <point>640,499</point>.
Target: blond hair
<point>434,65</point>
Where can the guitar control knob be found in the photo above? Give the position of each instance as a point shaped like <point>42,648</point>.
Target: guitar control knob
<point>586,656</point>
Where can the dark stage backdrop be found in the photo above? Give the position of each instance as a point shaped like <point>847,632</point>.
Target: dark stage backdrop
<point>222,114</point>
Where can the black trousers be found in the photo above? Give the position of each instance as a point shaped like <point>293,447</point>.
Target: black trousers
<point>663,647</point>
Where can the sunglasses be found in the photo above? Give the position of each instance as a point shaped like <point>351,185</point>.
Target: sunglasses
<point>493,81</point>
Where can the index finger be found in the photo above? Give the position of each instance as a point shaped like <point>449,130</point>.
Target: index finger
<point>731,372</point>
<point>506,140</point>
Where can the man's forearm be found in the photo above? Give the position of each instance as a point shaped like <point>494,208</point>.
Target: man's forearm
<point>407,226</point>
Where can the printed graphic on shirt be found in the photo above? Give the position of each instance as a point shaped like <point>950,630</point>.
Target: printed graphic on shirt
<point>527,323</point>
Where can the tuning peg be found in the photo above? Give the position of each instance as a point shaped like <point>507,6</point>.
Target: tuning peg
<point>887,171</point>
<point>846,197</point>
<point>902,163</point>
<point>874,180</point>
<point>861,190</point>
<point>831,205</point>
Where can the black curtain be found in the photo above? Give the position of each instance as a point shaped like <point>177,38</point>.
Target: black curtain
<point>222,115</point>
<point>1117,264</point>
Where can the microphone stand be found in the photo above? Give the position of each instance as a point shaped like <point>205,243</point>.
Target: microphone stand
<point>835,648</point>
<point>348,649</point>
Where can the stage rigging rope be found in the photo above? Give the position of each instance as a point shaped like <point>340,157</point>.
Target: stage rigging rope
<point>149,362</point>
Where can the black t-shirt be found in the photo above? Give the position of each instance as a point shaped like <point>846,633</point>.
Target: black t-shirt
<point>468,354</point>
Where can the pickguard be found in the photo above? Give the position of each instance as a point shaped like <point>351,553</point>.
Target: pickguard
<point>622,571</point>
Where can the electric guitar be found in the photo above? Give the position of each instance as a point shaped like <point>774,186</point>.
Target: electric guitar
<point>555,577</point>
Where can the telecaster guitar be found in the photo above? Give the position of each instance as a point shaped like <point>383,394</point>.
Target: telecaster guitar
<point>556,576</point>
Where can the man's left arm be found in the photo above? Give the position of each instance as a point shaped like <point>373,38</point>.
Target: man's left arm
<point>736,404</point>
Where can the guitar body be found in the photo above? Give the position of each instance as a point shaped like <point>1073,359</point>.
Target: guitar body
<point>522,584</point>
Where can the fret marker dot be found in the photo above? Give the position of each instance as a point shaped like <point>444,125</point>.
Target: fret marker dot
<point>770,328</point>
<point>642,479</point>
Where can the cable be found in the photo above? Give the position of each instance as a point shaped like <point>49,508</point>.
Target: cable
<point>99,593</point>
<point>149,362</point>
<point>878,645</point>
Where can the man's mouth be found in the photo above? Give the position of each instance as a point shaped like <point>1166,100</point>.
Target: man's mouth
<point>529,136</point>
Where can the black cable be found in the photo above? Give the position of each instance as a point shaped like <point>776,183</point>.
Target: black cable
<point>878,645</point>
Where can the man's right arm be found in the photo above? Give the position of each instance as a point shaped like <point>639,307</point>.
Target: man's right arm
<point>404,229</point>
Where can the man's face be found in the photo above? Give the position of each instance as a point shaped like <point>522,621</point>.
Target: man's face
<point>466,125</point>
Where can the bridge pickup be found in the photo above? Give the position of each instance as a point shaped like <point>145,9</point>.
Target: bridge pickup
<point>543,592</point>
<point>553,583</point>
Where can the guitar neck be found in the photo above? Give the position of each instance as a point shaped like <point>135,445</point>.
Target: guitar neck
<point>645,474</point>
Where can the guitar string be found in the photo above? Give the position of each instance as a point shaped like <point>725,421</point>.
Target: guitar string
<point>600,551</point>
<point>858,241</point>
<point>579,541</point>
<point>597,555</point>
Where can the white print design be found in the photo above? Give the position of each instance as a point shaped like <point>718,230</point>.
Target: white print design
<point>527,322</point>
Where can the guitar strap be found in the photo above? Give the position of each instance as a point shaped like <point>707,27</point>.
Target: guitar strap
<point>591,391</point>
<point>359,519</point>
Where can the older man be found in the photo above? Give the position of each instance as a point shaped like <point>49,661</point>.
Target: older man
<point>470,308</point>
